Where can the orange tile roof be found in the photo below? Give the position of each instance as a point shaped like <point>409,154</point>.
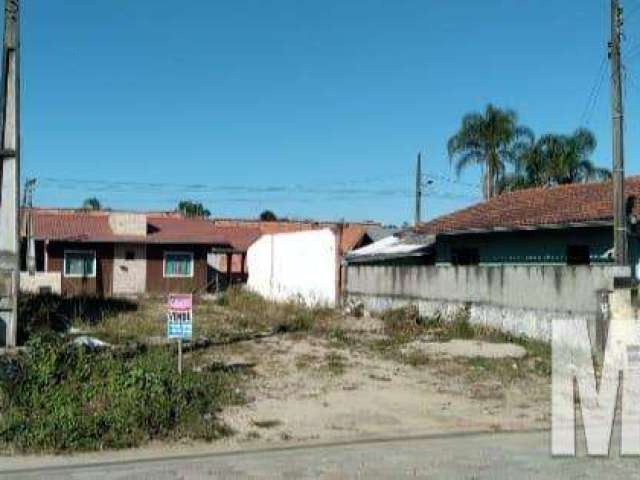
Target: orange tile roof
<point>533,208</point>
<point>352,233</point>
<point>89,226</point>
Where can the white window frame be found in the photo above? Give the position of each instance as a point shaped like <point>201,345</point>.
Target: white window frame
<point>164,265</point>
<point>75,275</point>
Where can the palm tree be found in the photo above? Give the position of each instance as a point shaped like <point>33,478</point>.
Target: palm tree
<point>555,160</point>
<point>193,209</point>
<point>492,140</point>
<point>568,158</point>
<point>91,203</point>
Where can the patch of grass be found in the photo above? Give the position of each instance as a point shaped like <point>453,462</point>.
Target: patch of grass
<point>280,317</point>
<point>401,320</point>
<point>416,359</point>
<point>234,316</point>
<point>334,363</point>
<point>305,361</point>
<point>58,397</point>
<point>404,325</point>
<point>504,370</point>
<point>538,359</point>
<point>51,312</point>
<point>148,320</point>
<point>339,337</point>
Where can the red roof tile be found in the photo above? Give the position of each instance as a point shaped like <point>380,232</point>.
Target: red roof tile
<point>81,226</point>
<point>239,238</point>
<point>352,233</point>
<point>71,226</point>
<point>535,208</point>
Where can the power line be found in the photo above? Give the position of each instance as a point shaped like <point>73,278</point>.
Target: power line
<point>148,188</point>
<point>594,94</point>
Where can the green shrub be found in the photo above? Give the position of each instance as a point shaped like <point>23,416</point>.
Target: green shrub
<point>46,312</point>
<point>60,397</point>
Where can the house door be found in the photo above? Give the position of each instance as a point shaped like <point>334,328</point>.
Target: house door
<point>129,269</point>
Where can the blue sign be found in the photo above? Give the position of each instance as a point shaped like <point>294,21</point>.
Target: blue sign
<point>180,324</point>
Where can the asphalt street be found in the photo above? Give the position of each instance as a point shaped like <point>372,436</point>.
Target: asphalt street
<point>465,456</point>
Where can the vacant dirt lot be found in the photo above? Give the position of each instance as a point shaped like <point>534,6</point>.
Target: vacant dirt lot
<point>322,375</point>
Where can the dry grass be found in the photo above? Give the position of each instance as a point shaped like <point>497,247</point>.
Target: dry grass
<point>236,315</point>
<point>334,363</point>
<point>404,325</point>
<point>240,315</point>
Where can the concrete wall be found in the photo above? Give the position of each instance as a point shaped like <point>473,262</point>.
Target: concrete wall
<point>123,223</point>
<point>33,283</point>
<point>300,266</point>
<point>519,299</point>
<point>129,274</point>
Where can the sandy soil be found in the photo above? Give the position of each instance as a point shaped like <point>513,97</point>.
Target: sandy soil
<point>297,396</point>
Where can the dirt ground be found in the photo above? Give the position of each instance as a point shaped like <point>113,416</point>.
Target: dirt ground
<point>306,387</point>
<point>323,375</point>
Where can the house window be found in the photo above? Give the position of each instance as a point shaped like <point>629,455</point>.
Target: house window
<point>578,255</point>
<point>79,263</point>
<point>465,256</point>
<point>178,264</point>
<point>130,255</point>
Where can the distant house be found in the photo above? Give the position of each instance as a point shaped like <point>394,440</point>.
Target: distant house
<point>517,262</point>
<point>352,237</point>
<point>562,225</point>
<point>123,253</point>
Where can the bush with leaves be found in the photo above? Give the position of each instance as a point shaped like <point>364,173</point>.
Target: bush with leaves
<point>51,312</point>
<point>57,396</point>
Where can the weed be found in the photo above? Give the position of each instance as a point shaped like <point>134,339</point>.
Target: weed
<point>305,360</point>
<point>60,397</point>
<point>416,359</point>
<point>339,337</point>
<point>335,363</point>
<point>47,312</point>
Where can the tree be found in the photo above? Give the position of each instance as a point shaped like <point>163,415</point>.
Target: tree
<point>492,140</point>
<point>268,216</point>
<point>92,203</point>
<point>189,208</point>
<point>556,159</point>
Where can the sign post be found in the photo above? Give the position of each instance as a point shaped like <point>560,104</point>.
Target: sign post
<point>180,320</point>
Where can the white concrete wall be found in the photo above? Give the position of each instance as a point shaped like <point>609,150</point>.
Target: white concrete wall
<point>294,266</point>
<point>522,300</point>
<point>124,223</point>
<point>33,283</point>
<point>129,276</point>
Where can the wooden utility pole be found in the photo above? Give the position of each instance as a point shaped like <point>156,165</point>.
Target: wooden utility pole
<point>418,189</point>
<point>617,117</point>
<point>10,183</point>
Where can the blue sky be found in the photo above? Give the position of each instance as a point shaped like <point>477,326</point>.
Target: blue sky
<point>309,108</point>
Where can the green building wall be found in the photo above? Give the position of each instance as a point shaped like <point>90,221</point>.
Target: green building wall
<point>540,246</point>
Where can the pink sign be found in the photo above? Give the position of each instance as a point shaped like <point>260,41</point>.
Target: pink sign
<point>180,301</point>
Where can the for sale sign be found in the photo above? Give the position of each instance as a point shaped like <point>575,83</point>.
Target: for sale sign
<point>180,316</point>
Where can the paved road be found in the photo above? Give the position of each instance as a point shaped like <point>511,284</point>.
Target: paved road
<point>476,456</point>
